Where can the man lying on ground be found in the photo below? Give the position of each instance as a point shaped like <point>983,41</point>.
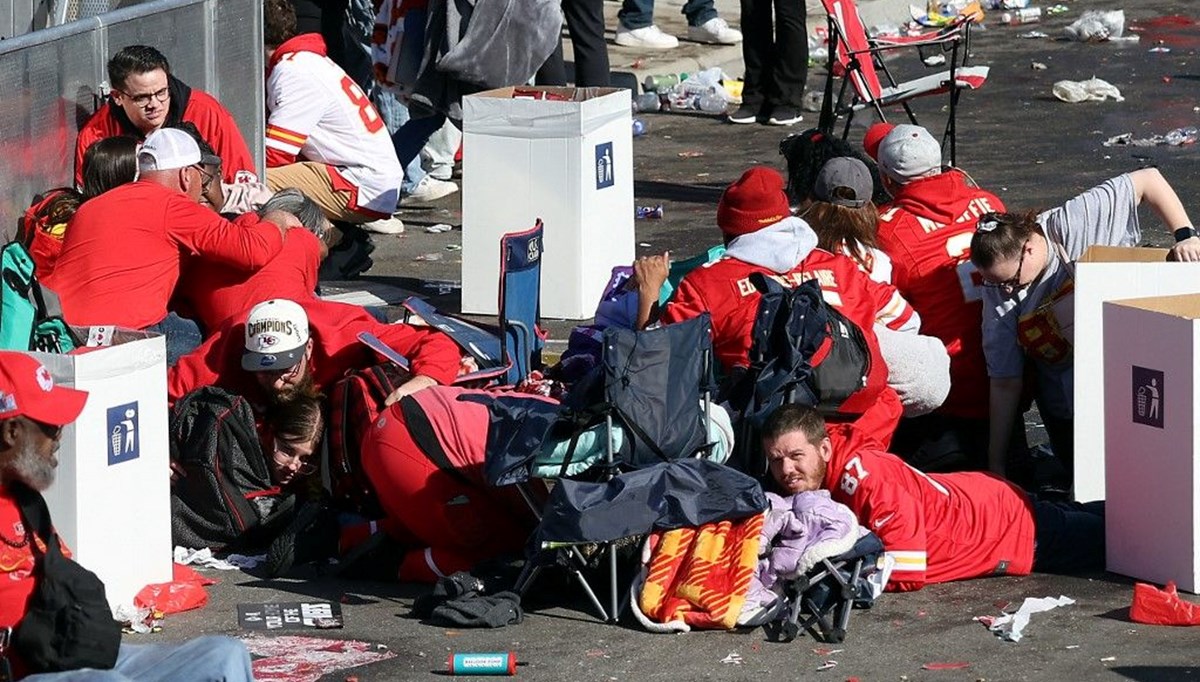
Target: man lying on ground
<point>935,527</point>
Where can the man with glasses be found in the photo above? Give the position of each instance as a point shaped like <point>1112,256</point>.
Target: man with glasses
<point>926,230</point>
<point>33,412</point>
<point>122,254</point>
<point>145,96</point>
<point>1027,265</point>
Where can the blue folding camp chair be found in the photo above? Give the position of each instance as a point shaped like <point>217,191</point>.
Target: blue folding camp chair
<point>508,355</point>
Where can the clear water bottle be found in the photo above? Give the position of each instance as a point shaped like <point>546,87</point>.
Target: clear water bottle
<point>647,101</point>
<point>1182,136</point>
<point>711,104</point>
<point>639,127</point>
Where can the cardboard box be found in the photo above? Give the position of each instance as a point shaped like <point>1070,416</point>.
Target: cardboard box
<point>1107,273</point>
<point>569,163</point>
<point>1151,408</point>
<point>111,497</point>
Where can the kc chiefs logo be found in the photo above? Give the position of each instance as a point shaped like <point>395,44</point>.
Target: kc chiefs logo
<point>267,340</point>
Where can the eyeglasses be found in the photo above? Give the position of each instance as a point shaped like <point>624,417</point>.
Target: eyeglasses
<point>143,101</point>
<point>285,460</point>
<point>1013,284</point>
<point>208,178</point>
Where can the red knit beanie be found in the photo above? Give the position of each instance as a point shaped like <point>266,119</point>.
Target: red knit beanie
<point>874,136</point>
<point>755,201</point>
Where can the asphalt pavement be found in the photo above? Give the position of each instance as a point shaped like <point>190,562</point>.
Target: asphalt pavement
<point>1016,139</point>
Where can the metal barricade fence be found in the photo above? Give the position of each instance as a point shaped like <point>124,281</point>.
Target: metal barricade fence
<point>53,80</point>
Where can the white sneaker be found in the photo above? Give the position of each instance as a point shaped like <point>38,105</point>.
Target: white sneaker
<point>648,36</point>
<point>427,190</point>
<point>714,30</point>
<point>391,225</point>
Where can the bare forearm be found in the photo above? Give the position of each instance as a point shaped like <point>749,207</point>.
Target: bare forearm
<point>1004,408</point>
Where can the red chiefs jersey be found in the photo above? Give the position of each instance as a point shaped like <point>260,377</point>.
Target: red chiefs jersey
<point>723,289</point>
<point>937,527</point>
<point>927,231</point>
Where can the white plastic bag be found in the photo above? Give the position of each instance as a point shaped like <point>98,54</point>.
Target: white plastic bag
<point>1094,26</point>
<point>1092,90</point>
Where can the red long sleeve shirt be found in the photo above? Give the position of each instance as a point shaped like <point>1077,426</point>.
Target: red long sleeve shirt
<point>121,255</point>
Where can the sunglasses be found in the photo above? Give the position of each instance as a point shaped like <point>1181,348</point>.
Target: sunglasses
<point>49,430</point>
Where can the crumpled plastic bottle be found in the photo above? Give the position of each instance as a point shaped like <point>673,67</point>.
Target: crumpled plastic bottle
<point>1182,136</point>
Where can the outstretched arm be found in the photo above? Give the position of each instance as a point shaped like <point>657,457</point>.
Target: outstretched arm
<point>1151,187</point>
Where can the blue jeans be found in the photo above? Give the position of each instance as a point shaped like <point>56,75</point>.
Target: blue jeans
<point>636,14</point>
<point>183,336</point>
<point>395,115</point>
<point>204,659</point>
<point>1068,537</point>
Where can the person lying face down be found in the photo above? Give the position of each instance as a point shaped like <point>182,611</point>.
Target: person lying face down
<point>934,527</point>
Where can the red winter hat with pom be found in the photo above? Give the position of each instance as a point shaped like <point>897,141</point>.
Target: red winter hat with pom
<point>755,201</point>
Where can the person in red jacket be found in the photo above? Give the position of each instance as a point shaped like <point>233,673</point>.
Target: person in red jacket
<point>122,251</point>
<point>211,294</point>
<point>281,348</point>
<point>934,527</point>
<point>926,230</point>
<point>146,97</point>
<point>762,236</point>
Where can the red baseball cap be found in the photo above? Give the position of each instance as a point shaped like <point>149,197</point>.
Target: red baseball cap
<point>27,389</point>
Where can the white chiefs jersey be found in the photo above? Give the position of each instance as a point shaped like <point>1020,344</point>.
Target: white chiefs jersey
<point>318,113</point>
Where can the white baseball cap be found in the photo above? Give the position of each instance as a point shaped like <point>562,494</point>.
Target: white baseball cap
<point>167,149</point>
<point>276,336</point>
<point>909,152</point>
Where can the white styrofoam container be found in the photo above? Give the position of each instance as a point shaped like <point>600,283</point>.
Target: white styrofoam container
<point>569,163</point>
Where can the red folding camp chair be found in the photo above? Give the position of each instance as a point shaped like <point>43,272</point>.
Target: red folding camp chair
<point>857,60</point>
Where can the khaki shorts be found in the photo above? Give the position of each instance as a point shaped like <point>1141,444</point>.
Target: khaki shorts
<point>314,180</point>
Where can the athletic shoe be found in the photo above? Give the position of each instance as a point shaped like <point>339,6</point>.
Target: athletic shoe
<point>648,36</point>
<point>746,113</point>
<point>350,256</point>
<point>391,225</point>
<point>715,30</point>
<point>377,558</point>
<point>311,536</point>
<point>785,116</point>
<point>427,190</point>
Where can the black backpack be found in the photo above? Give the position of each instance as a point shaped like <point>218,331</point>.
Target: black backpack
<point>227,498</point>
<point>790,328</point>
<point>68,624</point>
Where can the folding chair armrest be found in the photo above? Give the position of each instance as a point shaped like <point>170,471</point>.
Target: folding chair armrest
<point>884,45</point>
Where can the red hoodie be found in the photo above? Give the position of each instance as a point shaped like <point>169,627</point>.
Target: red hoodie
<point>334,328</point>
<point>927,232</point>
<point>937,527</point>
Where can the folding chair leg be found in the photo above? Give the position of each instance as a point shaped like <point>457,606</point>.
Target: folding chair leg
<point>591,595</point>
<point>911,116</point>
<point>612,582</point>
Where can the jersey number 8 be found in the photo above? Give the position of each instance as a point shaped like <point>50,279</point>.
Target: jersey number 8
<point>366,110</point>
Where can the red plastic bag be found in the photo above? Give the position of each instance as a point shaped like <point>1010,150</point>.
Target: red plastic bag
<point>1162,607</point>
<point>184,593</point>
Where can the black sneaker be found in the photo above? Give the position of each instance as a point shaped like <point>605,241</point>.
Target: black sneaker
<point>785,116</point>
<point>313,535</point>
<point>746,113</point>
<point>350,257</point>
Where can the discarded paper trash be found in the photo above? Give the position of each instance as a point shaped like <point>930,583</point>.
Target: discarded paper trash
<point>1091,90</point>
<point>1010,626</point>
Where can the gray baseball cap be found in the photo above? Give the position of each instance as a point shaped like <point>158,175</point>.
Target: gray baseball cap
<point>844,181</point>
